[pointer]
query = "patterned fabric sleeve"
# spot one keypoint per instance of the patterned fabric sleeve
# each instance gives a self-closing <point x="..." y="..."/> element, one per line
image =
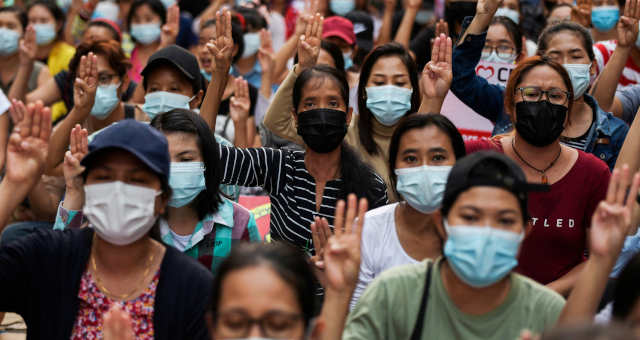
<point x="69" y="218"/>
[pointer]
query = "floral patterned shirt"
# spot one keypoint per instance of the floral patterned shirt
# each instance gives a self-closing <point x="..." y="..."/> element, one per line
<point x="94" y="304"/>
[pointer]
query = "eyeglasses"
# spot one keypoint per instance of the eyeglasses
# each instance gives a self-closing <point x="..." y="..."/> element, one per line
<point x="503" y="51"/>
<point x="274" y="324"/>
<point x="534" y="94"/>
<point x="105" y="78"/>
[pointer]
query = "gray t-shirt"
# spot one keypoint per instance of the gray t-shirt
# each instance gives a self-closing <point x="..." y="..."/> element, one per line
<point x="630" y="99"/>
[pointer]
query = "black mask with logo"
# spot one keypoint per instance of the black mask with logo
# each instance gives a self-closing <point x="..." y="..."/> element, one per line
<point x="322" y="129"/>
<point x="540" y="123"/>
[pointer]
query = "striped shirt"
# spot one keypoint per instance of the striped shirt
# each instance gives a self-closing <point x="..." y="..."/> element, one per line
<point x="291" y="188"/>
<point x="603" y="52"/>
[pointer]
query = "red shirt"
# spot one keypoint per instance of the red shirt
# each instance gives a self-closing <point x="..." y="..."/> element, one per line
<point x="560" y="218"/>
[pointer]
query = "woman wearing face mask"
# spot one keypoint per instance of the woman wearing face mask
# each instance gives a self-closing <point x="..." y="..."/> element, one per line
<point x="197" y="217"/>
<point x="504" y="42"/>
<point x="146" y="23"/>
<point x="247" y="65"/>
<point x="115" y="261"/>
<point x="590" y="129"/>
<point x="471" y="292"/>
<point x="385" y="94"/>
<point x="423" y="148"/>
<point x="538" y="99"/>
<point x="604" y="17"/>
<point x="301" y="184"/>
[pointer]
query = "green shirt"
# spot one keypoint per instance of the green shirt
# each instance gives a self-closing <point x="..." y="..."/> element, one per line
<point x="388" y="309"/>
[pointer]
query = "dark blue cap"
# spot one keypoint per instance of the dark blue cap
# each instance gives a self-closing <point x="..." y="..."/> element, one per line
<point x="143" y="141"/>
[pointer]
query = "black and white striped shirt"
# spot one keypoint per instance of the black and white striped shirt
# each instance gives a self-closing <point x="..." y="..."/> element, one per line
<point x="292" y="189"/>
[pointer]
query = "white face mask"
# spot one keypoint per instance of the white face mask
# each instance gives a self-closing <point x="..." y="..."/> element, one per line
<point x="120" y="213"/>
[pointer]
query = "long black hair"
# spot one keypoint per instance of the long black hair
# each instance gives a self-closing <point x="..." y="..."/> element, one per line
<point x="419" y="121"/>
<point x="358" y="177"/>
<point x="287" y="262"/>
<point x="365" y="124"/>
<point x="186" y="121"/>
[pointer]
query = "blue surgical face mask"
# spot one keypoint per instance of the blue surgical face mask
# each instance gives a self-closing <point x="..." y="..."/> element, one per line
<point x="251" y="44"/>
<point x="8" y="41"/>
<point x="206" y="75"/>
<point x="168" y="3"/>
<point x="423" y="186"/>
<point x="45" y="33"/>
<point x="186" y="181"/>
<point x="493" y="57"/>
<point x="580" y="78"/>
<point x="509" y="13"/>
<point x="146" y="33"/>
<point x="423" y="16"/>
<point x="159" y="102"/>
<point x="106" y="100"/>
<point x="388" y="103"/>
<point x="348" y="62"/>
<point x="342" y="7"/>
<point x="481" y="256"/>
<point x="604" y="18"/>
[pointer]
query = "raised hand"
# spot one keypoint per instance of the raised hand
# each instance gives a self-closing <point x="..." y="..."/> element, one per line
<point x="581" y="13"/>
<point x="320" y="233"/>
<point x="28" y="145"/>
<point x="414" y="4"/>
<point x="78" y="148"/>
<point x="117" y="324"/>
<point x="437" y="74"/>
<point x="171" y="28"/>
<point x="86" y="83"/>
<point x="627" y="27"/>
<point x="265" y="53"/>
<point x="442" y="27"/>
<point x="17" y="111"/>
<point x="240" y="102"/>
<point x="309" y="43"/>
<point x="611" y="221"/>
<point x="487" y="7"/>
<point x="222" y="47"/>
<point x="342" y="254"/>
<point x="28" y="46"/>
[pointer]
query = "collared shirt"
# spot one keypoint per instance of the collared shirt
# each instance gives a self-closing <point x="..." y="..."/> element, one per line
<point x="253" y="77"/>
<point x="232" y="223"/>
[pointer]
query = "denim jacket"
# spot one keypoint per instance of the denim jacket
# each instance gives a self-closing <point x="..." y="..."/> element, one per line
<point x="605" y="136"/>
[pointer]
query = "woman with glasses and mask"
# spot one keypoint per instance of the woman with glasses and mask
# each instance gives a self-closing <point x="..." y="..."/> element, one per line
<point x="387" y="91"/>
<point x="301" y="184"/>
<point x="589" y="128"/>
<point x="504" y="42"/>
<point x="538" y="100"/>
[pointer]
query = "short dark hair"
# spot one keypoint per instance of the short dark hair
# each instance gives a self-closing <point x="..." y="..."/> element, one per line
<point x="110" y="49"/>
<point x="252" y="18"/>
<point x="186" y="121"/>
<point x="55" y="11"/>
<point x="365" y="117"/>
<point x="20" y="14"/>
<point x="512" y="28"/>
<point x="116" y="35"/>
<point x="578" y="30"/>
<point x="333" y="50"/>
<point x="419" y="121"/>
<point x="289" y="263"/>
<point x="156" y="6"/>
<point x="320" y="71"/>
<point x="236" y="35"/>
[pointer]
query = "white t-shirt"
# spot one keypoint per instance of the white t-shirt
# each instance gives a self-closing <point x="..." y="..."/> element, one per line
<point x="381" y="248"/>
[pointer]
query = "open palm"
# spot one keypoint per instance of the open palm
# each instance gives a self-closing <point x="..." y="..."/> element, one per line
<point x="627" y="27"/>
<point x="437" y="74"/>
<point x="222" y="47"/>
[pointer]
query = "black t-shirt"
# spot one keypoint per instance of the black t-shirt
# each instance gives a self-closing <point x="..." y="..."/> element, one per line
<point x="65" y="85"/>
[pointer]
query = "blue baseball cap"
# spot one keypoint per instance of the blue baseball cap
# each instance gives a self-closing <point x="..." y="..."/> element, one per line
<point x="143" y="141"/>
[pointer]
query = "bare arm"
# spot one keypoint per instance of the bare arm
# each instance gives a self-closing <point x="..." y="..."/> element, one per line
<point x="387" y="22"/>
<point x="28" y="50"/>
<point x="221" y="49"/>
<point x="605" y="87"/>
<point x="267" y="63"/>
<point x="565" y="284"/>
<point x="485" y="10"/>
<point x="4" y="137"/>
<point x="403" y="36"/>
<point x="288" y="50"/>
<point x="239" y="106"/>
<point x="436" y="76"/>
<point x="629" y="152"/>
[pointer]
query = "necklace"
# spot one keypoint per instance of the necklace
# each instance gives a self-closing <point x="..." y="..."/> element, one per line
<point x="107" y="291"/>
<point x="544" y="179"/>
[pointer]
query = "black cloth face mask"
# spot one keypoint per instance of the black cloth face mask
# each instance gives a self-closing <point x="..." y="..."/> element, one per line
<point x="322" y="129"/>
<point x="540" y="123"/>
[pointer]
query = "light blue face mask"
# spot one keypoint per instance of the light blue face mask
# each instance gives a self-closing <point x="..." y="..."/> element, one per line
<point x="342" y="7"/>
<point x="604" y="18"/>
<point x="159" y="102"/>
<point x="187" y="181"/>
<point x="8" y="41"/>
<point x="580" y="78"/>
<point x="423" y="16"/>
<point x="106" y="100"/>
<point x="251" y="44"/>
<point x="493" y="57"/>
<point x="45" y="33"/>
<point x="481" y="256"/>
<point x="388" y="103"/>
<point x="348" y="62"/>
<point x="423" y="186"/>
<point x="146" y="33"/>
<point x="168" y="3"/>
<point x="509" y="13"/>
<point x="206" y="75"/>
